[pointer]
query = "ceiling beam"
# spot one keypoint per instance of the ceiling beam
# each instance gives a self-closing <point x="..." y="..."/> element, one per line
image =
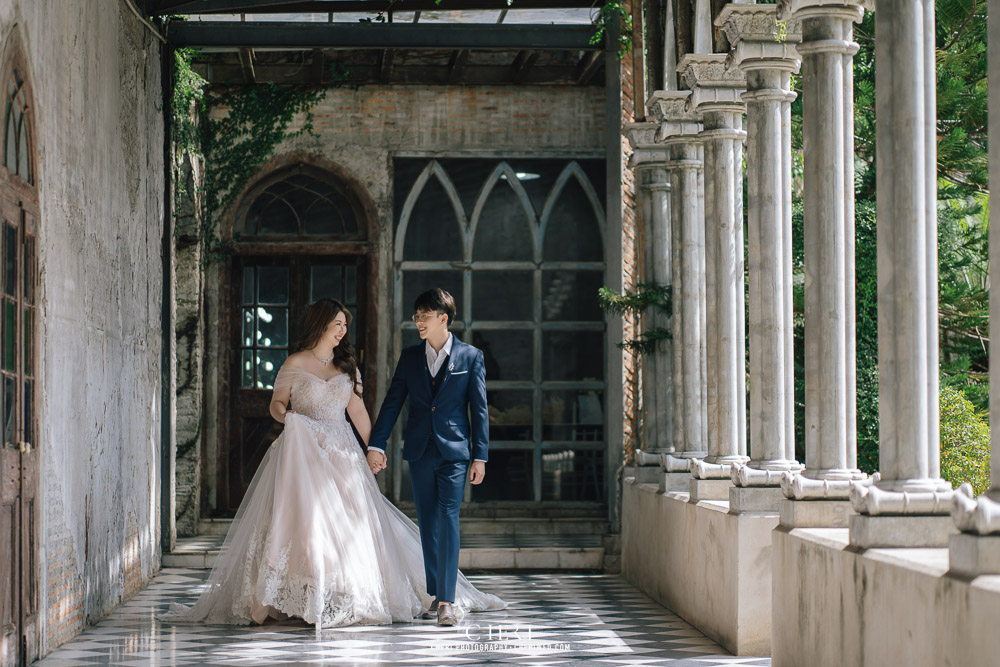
<point x="316" y="66"/>
<point x="522" y="63"/>
<point x="433" y="36"/>
<point x="456" y="65"/>
<point x="385" y="62"/>
<point x="161" y="7"/>
<point x="246" y="61"/>
<point x="588" y="65"/>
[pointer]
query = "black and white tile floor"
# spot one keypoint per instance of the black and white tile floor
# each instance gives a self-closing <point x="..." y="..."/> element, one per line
<point x="552" y="619"/>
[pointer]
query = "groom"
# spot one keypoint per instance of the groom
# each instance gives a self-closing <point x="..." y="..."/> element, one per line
<point x="448" y="424"/>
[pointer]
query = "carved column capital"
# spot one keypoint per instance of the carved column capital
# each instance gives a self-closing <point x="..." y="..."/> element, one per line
<point x="714" y="87"/>
<point x="759" y="39"/>
<point x="647" y="152"/>
<point x="790" y="9"/>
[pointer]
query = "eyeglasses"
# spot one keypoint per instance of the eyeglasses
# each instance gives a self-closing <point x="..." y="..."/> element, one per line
<point x="420" y="319"/>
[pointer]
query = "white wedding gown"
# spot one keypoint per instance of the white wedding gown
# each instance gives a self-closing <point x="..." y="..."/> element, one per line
<point x="314" y="537"/>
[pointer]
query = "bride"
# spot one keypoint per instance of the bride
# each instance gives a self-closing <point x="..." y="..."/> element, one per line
<point x="314" y="537"/>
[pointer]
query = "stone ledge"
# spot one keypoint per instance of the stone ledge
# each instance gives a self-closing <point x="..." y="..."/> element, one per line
<point x="815" y="513"/>
<point x="710" y="489"/>
<point x="900" y="531"/>
<point x="973" y="555"/>
<point x="711" y="567"/>
<point x="834" y="605"/>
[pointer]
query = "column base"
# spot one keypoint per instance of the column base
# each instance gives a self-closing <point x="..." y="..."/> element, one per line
<point x="870" y="532"/>
<point x="644" y="474"/>
<point x="746" y="499"/>
<point x="814" y="513"/>
<point x="675" y="481"/>
<point x="709" y="489"/>
<point x="973" y="555"/>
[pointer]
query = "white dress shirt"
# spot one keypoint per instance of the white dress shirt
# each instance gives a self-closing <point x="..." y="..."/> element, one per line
<point x="436" y="359"/>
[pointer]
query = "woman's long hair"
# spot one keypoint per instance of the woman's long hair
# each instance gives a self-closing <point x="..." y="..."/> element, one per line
<point x="318" y="316"/>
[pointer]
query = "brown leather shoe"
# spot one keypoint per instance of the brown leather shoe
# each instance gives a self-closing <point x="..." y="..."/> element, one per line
<point x="446" y="614"/>
<point x="431" y="611"/>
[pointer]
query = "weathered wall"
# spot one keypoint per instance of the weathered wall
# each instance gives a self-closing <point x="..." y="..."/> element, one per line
<point x="189" y="331"/>
<point x="362" y="130"/>
<point x="840" y="607"/>
<point x="711" y="567"/>
<point x="99" y="135"/>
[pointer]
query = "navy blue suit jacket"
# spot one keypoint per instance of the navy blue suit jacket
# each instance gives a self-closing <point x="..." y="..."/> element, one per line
<point x="456" y="418"/>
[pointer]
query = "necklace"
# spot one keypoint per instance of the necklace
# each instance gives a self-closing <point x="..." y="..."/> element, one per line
<point x="320" y="359"/>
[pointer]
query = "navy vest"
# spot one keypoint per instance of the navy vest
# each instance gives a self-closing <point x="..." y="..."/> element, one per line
<point x="437" y="379"/>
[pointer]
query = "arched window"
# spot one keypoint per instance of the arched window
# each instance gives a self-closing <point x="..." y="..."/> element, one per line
<point x="519" y="243"/>
<point x="303" y="204"/>
<point x="16" y="144"/>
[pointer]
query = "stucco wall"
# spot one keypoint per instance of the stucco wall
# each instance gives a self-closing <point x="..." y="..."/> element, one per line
<point x="99" y="135"/>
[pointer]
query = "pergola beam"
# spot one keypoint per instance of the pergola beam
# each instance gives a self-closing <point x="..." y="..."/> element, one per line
<point x="456" y="65"/>
<point x="433" y="36"/>
<point x="589" y="63"/>
<point x="162" y="7"/>
<point x="522" y="63"/>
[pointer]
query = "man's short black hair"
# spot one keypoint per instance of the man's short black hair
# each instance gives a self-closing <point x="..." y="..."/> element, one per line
<point x="436" y="300"/>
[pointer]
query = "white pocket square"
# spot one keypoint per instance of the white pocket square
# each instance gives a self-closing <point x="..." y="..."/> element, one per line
<point x="460" y="372"/>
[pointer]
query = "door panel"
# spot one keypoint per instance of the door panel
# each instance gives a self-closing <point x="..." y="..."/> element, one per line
<point x="269" y="298"/>
<point x="18" y="455"/>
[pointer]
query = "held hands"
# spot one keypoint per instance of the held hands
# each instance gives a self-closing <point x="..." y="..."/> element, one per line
<point x="376" y="461"/>
<point x="477" y="473"/>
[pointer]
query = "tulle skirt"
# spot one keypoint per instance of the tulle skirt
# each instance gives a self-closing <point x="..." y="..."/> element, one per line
<point x="315" y="538"/>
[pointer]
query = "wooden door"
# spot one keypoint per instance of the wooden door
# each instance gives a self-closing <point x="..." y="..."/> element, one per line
<point x="268" y="302"/>
<point x="19" y="627"/>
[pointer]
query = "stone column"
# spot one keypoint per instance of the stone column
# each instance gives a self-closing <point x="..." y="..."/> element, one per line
<point x="827" y="49"/>
<point x="716" y="94"/>
<point x="977" y="550"/>
<point x="766" y="55"/>
<point x="678" y="133"/>
<point x="907" y="290"/>
<point x="649" y="160"/>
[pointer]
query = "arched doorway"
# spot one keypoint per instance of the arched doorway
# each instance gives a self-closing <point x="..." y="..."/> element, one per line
<point x="19" y="459"/>
<point x="300" y="234"/>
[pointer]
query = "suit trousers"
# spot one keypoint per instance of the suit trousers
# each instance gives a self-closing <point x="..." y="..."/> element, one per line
<point x="438" y="487"/>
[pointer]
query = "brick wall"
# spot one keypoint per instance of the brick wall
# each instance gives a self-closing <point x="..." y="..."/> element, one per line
<point x="631" y="76"/>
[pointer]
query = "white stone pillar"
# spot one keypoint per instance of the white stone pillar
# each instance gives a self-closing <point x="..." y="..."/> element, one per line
<point x="907" y="289"/>
<point x="827" y="50"/>
<point x="716" y="94"/>
<point x="766" y="55"/>
<point x="650" y="159"/>
<point x="678" y="132"/>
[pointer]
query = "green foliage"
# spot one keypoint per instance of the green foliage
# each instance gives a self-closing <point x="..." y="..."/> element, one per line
<point x="254" y="120"/>
<point x="236" y="131"/>
<point x="963" y="298"/>
<point x="965" y="442"/>
<point x="186" y="103"/>
<point x="646" y="297"/>
<point x="866" y="336"/>
<point x="609" y="16"/>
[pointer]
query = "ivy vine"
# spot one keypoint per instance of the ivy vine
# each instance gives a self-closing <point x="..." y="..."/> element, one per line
<point x="606" y="18"/>
<point x="646" y="296"/>
<point x="236" y="131"/>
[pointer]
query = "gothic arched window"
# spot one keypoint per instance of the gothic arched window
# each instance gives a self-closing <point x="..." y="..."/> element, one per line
<point x="16" y="146"/>
<point x="519" y="243"/>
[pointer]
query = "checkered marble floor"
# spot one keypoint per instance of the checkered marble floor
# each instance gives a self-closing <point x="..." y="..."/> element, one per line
<point x="552" y="619"/>
<point x="214" y="542"/>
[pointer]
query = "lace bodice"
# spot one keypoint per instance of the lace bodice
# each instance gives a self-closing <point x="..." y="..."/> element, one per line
<point x="322" y="401"/>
